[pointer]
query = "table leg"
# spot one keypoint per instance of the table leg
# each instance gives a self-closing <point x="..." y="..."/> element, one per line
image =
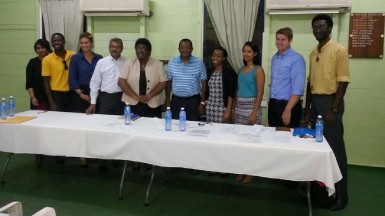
<point x="122" y="180"/>
<point x="5" y="168"/>
<point x="309" y="198"/>
<point x="149" y="186"/>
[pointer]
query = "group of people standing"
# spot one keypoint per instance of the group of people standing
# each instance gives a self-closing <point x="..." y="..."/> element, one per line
<point x="86" y="82"/>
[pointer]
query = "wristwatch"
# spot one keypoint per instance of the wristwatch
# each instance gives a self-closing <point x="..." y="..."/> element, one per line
<point x="335" y="110"/>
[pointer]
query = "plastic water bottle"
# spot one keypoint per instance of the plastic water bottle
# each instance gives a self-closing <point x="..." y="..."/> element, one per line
<point x="12" y="106"/>
<point x="127" y="114"/>
<point x="319" y="129"/>
<point x="168" y="118"/>
<point x="182" y="119"/>
<point x="3" y="108"/>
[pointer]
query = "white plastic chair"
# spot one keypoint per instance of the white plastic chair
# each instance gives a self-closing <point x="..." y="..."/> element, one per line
<point x="46" y="211"/>
<point x="12" y="209"/>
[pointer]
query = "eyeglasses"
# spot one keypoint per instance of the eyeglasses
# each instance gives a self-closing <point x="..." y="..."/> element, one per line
<point x="65" y="65"/>
<point x="319" y="27"/>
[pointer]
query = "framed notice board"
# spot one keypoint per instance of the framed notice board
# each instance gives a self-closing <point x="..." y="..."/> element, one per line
<point x="366" y="35"/>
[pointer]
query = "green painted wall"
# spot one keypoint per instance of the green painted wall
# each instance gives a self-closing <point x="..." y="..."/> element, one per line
<point x="176" y="19"/>
<point x="172" y="20"/>
<point x="105" y="28"/>
<point x="17" y="36"/>
<point x="365" y="98"/>
<point x="365" y="119"/>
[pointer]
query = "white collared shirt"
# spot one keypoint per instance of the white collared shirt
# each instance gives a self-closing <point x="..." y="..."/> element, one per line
<point x="106" y="76"/>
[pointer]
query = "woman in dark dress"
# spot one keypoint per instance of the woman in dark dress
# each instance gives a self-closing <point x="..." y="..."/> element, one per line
<point x="34" y="80"/>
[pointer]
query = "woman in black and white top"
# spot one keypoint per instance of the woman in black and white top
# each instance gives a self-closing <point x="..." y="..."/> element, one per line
<point x="221" y="88"/>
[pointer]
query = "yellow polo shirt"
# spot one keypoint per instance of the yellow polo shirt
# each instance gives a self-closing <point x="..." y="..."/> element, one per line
<point x="328" y="67"/>
<point x="53" y="67"/>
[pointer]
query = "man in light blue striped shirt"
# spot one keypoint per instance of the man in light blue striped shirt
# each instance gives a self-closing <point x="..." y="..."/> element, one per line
<point x="187" y="75"/>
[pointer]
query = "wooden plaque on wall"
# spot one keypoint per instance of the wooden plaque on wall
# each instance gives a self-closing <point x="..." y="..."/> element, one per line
<point x="366" y="35"/>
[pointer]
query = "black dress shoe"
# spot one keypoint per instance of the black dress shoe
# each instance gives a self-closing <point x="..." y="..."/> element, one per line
<point x="339" y="203"/>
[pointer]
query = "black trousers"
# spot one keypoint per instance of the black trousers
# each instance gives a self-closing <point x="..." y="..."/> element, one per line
<point x="77" y="104"/>
<point x="62" y="100"/>
<point x="110" y="104"/>
<point x="334" y="134"/>
<point x="144" y="110"/>
<point x="190" y="104"/>
<point x="275" y="110"/>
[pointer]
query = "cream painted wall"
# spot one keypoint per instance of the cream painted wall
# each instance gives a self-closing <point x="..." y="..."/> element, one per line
<point x="365" y="98"/>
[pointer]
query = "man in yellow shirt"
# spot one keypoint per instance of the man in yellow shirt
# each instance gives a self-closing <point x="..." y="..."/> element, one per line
<point x="55" y="74"/>
<point x="327" y="82"/>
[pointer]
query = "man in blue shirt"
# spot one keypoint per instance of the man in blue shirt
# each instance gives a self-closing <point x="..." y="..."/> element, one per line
<point x="288" y="71"/>
<point x="187" y="75"/>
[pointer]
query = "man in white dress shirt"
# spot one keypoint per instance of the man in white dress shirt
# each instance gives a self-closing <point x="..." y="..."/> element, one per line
<point x="105" y="92"/>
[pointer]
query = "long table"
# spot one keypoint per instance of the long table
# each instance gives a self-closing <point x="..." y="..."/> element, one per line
<point x="253" y="150"/>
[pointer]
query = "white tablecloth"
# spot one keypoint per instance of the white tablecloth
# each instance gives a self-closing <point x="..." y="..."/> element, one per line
<point x="253" y="150"/>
